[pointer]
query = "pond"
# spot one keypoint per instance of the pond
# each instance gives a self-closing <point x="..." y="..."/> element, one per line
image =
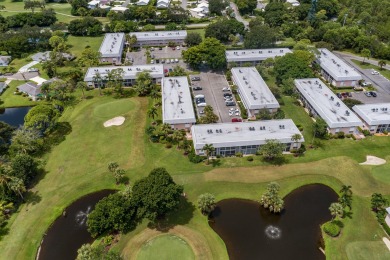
<point x="252" y="232"/>
<point x="14" y="115"/>
<point x="68" y="233"/>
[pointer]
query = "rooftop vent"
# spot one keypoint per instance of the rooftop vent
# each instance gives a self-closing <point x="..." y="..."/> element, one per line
<point x="337" y="104"/>
<point x="332" y="98"/>
<point x="281" y="126"/>
<point x="240" y="71"/>
<point x="346" y="112"/>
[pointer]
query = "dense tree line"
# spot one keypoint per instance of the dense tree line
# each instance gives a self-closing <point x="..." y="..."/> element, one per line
<point x="334" y="24"/>
<point x="41" y="19"/>
<point x="87" y="26"/>
<point x="224" y="28"/>
<point x="25" y="40"/>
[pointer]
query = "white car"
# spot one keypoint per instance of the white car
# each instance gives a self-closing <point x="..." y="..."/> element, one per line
<point x="237" y="110"/>
<point x="374" y="72"/>
<point x="237" y="113"/>
<point x="168" y="61"/>
<point x="202" y="104"/>
<point x="231" y="113"/>
<point x="178" y="48"/>
<point x="226" y="89"/>
<point x="177" y="60"/>
<point x="152" y="62"/>
<point x="32" y="70"/>
<point x="172" y="61"/>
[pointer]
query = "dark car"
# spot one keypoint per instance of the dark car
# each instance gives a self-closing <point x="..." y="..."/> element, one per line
<point x="160" y="48"/>
<point x="230" y="103"/>
<point x="200" y="100"/>
<point x="339" y="95"/>
<point x="195" y="78"/>
<point x="197" y="88"/>
<point x="373" y="93"/>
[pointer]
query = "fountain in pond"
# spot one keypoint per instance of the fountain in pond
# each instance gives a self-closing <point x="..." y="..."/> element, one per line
<point x="82" y="216"/>
<point x="273" y="232"/>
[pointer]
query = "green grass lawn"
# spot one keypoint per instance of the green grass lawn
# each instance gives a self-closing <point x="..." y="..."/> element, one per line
<point x="384" y="72"/>
<point x="166" y="247"/>
<point x="78" y="44"/>
<point x="77" y="166"/>
<point x="200" y="31"/>
<point x="10" y="100"/>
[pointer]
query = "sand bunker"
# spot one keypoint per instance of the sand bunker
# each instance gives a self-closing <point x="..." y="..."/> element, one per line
<point x="372" y="160"/>
<point x="119" y="120"/>
<point x="387" y="242"/>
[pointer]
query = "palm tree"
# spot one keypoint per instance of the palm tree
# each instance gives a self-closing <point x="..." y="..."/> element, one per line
<point x="295" y="138"/>
<point x="5" y="207"/>
<point x="17" y="186"/>
<point x="209" y="149"/>
<point x="346" y="196"/>
<point x="336" y="210"/>
<point x="378" y="202"/>
<point x="381" y="64"/>
<point x="119" y="174"/>
<point x="83" y="86"/>
<point x="177" y="136"/>
<point x="154" y="93"/>
<point x="152" y="112"/>
<point x="97" y="78"/>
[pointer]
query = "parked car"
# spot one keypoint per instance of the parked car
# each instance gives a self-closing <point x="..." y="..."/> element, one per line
<point x="230" y="103"/>
<point x="157" y="61"/>
<point x="227" y="94"/>
<point x="160" y="48"/>
<point x="200" y="100"/>
<point x="195" y="78"/>
<point x="196" y="88"/>
<point x="374" y="72"/>
<point x="177" y="60"/>
<point x="367" y="93"/>
<point x="168" y="61"/>
<point x="152" y="48"/>
<point x="366" y="84"/>
<point x="173" y="48"/>
<point x="33" y="70"/>
<point x="178" y="48"/>
<point x="339" y="95"/>
<point x="165" y="72"/>
<point x="152" y="62"/>
<point x="373" y="93"/>
<point x="349" y="94"/>
<point x="170" y="69"/>
<point x="172" y="61"/>
<point x="199" y="96"/>
<point x="236" y="120"/>
<point x="162" y="61"/>
<point x="225" y="89"/>
<point x="202" y="104"/>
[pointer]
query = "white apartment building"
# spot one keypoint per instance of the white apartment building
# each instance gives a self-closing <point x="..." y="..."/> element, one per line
<point x="322" y="102"/>
<point x="112" y="47"/>
<point x="254" y="56"/>
<point x="159" y="38"/>
<point x="336" y="71"/>
<point x="253" y="90"/>
<point x="376" y="117"/>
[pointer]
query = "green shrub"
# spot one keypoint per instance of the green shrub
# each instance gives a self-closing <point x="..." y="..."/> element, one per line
<point x="293" y="150"/>
<point x="168" y="145"/>
<point x="238" y="154"/>
<point x="249" y="158"/>
<point x="366" y="132"/>
<point x="331" y="228"/>
<point x="341" y="135"/>
<point x="194" y="158"/>
<point x="385" y="132"/>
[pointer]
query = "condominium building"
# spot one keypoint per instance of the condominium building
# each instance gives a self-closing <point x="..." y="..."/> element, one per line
<point x="163" y="3"/>
<point x="98" y="76"/>
<point x="320" y="101"/>
<point x="336" y="71"/>
<point x="177" y="107"/>
<point x="112" y="47"/>
<point x="254" y="56"/>
<point x="229" y="139"/>
<point x="253" y="90"/>
<point x="159" y="38"/>
<point x="376" y="117"/>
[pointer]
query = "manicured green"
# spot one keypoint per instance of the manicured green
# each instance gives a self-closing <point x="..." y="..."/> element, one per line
<point x="78" y="44"/>
<point x="363" y="250"/>
<point x="166" y="247"/>
<point x="382" y="172"/>
<point x="78" y="166"/>
<point x="200" y="31"/>
<point x="9" y="99"/>
<point x="384" y="72"/>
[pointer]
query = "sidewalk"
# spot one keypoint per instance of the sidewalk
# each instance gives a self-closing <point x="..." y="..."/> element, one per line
<point x="27" y="66"/>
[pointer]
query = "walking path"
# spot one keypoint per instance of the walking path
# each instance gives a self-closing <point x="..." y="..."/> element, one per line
<point x="355" y="57"/>
<point x="238" y="16"/>
<point x="27" y="66"/>
<point x="387" y="242"/>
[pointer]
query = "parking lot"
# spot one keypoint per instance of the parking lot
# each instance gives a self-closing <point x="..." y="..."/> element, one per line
<point x="167" y="56"/>
<point x="380" y="98"/>
<point x="212" y="84"/>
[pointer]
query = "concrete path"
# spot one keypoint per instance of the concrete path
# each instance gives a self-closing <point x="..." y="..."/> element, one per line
<point x="387" y="242"/>
<point x="355" y="57"/>
<point x="238" y="16"/>
<point x="38" y="80"/>
<point x="27" y="66"/>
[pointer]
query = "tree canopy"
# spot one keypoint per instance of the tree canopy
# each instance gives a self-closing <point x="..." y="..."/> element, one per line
<point x="157" y="194"/>
<point x="260" y="36"/>
<point x="210" y="51"/>
<point x="292" y="65"/>
<point x="223" y="28"/>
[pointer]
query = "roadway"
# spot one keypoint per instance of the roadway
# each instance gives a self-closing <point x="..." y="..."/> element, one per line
<point x="238" y="16"/>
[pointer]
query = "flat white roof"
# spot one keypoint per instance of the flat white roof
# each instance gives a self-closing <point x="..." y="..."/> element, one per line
<point x="244" y="133"/>
<point x="253" y="89"/>
<point x="112" y="45"/>
<point x="130" y="72"/>
<point x="254" y="54"/>
<point x="177" y="102"/>
<point x="160" y="35"/>
<point x="374" y="114"/>
<point x="328" y="106"/>
<point x="337" y="68"/>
